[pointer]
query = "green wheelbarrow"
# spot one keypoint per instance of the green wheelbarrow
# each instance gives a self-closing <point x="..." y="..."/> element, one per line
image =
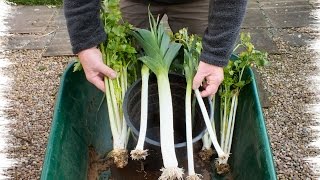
<point x="77" y="125"/>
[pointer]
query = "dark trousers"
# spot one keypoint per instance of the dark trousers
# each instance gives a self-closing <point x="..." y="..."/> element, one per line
<point x="192" y="15"/>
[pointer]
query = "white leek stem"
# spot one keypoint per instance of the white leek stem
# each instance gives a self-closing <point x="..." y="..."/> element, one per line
<point x="144" y="107"/>
<point x="208" y="124"/>
<point x="170" y="162"/>
<point x="139" y="153"/>
<point x="206" y="141"/>
<point x="206" y="138"/>
<point x="189" y="128"/>
<point x="166" y="122"/>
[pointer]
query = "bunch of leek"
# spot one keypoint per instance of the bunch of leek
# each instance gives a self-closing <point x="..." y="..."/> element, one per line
<point x="119" y="54"/>
<point x="159" y="54"/>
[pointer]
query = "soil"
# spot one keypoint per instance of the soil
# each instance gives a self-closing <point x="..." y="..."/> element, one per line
<point x="146" y="169"/>
<point x="206" y="154"/>
<point x="222" y="168"/>
<point x="120" y="157"/>
<point x="96" y="165"/>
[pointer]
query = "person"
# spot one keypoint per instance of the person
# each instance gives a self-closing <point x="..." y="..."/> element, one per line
<point x="218" y="21"/>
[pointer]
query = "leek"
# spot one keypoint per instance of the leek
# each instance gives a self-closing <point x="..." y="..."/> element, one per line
<point x="191" y="56"/>
<point x="206" y="151"/>
<point x="159" y="54"/>
<point x="139" y="153"/>
<point x="221" y="155"/>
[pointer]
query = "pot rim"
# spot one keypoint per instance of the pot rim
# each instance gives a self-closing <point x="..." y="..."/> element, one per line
<point x="151" y="141"/>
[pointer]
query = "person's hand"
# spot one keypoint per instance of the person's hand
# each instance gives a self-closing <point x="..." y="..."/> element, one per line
<point x="94" y="68"/>
<point x="213" y="76"/>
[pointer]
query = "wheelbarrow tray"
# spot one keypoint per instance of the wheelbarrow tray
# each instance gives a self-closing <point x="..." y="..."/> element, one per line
<point x="79" y="123"/>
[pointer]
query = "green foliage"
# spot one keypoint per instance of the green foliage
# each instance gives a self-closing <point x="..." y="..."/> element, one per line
<point x="249" y="57"/>
<point x="118" y="51"/>
<point x="191" y="51"/>
<point x="233" y="73"/>
<point x="159" y="50"/>
<point x="77" y="66"/>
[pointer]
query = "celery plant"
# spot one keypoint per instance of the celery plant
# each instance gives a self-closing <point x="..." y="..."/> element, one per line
<point x="159" y="54"/>
<point x="230" y="89"/>
<point x="118" y="53"/>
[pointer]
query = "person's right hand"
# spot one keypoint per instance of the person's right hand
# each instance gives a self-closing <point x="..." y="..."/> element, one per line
<point x="94" y="68"/>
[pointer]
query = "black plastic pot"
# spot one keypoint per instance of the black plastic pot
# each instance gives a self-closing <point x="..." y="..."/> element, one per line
<point x="132" y="107"/>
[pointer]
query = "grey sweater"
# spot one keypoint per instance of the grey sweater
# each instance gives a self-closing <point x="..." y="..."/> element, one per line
<point x="225" y="18"/>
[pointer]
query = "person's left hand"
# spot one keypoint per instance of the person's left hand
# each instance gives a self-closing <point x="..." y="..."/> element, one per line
<point x="213" y="76"/>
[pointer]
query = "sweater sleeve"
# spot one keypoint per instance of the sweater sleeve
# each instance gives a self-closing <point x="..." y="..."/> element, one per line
<point x="84" y="25"/>
<point x="224" y="23"/>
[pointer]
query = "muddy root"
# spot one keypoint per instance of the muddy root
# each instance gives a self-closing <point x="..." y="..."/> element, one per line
<point x="222" y="169"/>
<point x="206" y="154"/>
<point x="119" y="157"/>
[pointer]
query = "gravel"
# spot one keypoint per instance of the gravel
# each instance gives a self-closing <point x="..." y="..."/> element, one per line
<point x="288" y="120"/>
<point x="32" y="95"/>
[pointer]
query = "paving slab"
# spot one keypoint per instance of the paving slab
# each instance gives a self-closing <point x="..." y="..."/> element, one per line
<point x="284" y="4"/>
<point x="253" y="19"/>
<point x="60" y="45"/>
<point x="30" y="19"/>
<point x="289" y="16"/>
<point x="276" y="1"/>
<point x="252" y="4"/>
<point x="27" y="41"/>
<point x="262" y="40"/>
<point x="60" y="20"/>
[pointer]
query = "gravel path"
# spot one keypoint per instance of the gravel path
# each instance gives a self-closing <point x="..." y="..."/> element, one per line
<point x="35" y="84"/>
<point x="288" y="120"/>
